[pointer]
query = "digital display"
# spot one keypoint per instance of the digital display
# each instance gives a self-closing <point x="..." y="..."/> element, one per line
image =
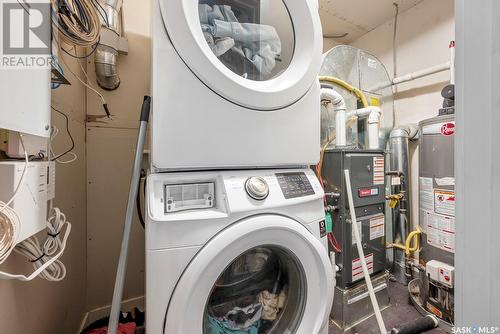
<point x="294" y="184"/>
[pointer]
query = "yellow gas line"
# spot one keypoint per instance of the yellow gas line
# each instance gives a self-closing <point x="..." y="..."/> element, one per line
<point x="413" y="236"/>
<point x="346" y="86"/>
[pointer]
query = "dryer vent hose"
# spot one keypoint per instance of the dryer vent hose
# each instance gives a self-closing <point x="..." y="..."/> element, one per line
<point x="417" y="326"/>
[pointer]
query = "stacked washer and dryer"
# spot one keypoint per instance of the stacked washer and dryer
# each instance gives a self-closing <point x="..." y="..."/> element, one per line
<point x="235" y="232"/>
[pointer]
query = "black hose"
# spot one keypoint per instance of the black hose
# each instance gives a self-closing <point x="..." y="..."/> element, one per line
<point x="417" y="326"/>
<point x="138" y="199"/>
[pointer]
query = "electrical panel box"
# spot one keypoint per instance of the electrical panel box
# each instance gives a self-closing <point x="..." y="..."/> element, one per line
<point x="25" y="101"/>
<point x="367" y="169"/>
<point x="25" y="71"/>
<point x="37" y="189"/>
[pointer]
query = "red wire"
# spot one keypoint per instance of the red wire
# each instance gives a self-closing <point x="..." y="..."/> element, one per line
<point x="334" y="243"/>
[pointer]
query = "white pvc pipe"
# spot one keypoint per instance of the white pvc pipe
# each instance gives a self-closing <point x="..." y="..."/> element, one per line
<point x="414" y="75"/>
<point x="340" y="128"/>
<point x="376" y="308"/>
<point x="337" y="103"/>
<point x="374" y="115"/>
<point x="374" y="129"/>
<point x="422" y="73"/>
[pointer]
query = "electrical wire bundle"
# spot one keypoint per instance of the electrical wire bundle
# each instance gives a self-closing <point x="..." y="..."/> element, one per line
<point x="9" y="230"/>
<point x="77" y="21"/>
<point x="44" y="258"/>
<point x="9" y="220"/>
<point x="79" y="25"/>
<point x="49" y="268"/>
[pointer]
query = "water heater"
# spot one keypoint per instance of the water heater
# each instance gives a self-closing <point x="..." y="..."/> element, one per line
<point x="437" y="212"/>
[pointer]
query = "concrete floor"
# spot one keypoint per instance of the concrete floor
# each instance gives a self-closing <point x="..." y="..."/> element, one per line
<point x="399" y="312"/>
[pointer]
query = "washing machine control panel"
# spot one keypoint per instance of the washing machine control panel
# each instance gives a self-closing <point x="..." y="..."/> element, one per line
<point x="257" y="188"/>
<point x="294" y="184"/>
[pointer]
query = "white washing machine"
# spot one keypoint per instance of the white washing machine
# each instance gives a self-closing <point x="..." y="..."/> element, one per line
<point x="233" y="252"/>
<point x="235" y="84"/>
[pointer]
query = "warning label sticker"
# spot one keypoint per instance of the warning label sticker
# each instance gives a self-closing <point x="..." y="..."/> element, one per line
<point x="426" y="184"/>
<point x="444" y="202"/>
<point x="427" y="200"/>
<point x="377" y="227"/>
<point x="440" y="231"/>
<point x="378" y="170"/>
<point x="357" y="269"/>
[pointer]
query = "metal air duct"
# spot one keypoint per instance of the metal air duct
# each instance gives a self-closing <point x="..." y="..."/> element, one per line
<point x="111" y="43"/>
<point x="399" y="162"/>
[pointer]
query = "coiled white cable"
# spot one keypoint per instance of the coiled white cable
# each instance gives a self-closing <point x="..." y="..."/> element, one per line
<point x="49" y="268"/>
<point x="55" y="223"/>
<point x="30" y="248"/>
<point x="9" y="231"/>
<point x="9" y="220"/>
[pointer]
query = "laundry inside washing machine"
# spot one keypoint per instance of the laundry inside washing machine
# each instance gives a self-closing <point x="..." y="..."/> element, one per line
<point x="261" y="291"/>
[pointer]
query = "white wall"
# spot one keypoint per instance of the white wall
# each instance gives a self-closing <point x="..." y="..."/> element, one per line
<point x="424" y="33"/>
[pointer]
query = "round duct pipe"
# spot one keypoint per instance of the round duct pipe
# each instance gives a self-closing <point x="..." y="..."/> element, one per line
<point x="110" y="44"/>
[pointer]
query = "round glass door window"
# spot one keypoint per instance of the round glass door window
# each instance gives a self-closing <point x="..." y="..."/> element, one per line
<point x="263" y="291"/>
<point x="253" y="38"/>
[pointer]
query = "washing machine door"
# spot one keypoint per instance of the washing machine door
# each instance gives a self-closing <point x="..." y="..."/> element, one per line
<point x="265" y="274"/>
<point x="260" y="54"/>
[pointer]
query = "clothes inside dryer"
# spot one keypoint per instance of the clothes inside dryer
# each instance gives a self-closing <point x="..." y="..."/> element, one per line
<point x="262" y="291"/>
<point x="254" y="39"/>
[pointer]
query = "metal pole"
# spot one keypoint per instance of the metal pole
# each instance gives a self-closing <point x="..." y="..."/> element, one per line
<point x="134" y="185"/>
<point x="361" y="253"/>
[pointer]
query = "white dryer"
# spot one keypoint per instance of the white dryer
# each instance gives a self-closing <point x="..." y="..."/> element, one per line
<point x="235" y="83"/>
<point x="229" y="252"/>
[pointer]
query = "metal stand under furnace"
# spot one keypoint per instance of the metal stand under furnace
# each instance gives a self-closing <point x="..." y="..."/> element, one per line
<point x="352" y="303"/>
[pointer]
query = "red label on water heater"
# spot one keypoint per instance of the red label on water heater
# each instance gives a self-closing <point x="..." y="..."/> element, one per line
<point x="448" y="129"/>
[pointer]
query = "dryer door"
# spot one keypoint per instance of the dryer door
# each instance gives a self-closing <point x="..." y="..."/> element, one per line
<point x="266" y="274"/>
<point x="261" y="54"/>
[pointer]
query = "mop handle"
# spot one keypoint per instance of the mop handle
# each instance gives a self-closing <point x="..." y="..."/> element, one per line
<point x="134" y="186"/>
<point x="361" y="254"/>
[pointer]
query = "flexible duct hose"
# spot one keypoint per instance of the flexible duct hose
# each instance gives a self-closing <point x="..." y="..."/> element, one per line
<point x="106" y="54"/>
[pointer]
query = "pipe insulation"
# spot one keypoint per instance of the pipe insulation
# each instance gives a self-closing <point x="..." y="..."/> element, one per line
<point x="336" y="104"/>
<point x="111" y="44"/>
<point x="417" y="326"/>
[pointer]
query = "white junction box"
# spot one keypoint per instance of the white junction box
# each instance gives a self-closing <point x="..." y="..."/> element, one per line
<point x="440" y="272"/>
<point x="34" y="145"/>
<point x="37" y="189"/>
